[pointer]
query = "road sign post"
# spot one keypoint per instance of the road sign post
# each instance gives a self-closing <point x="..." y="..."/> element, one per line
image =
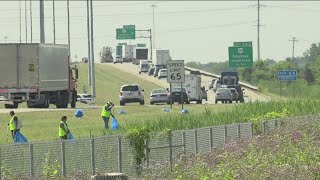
<point x="175" y="74"/>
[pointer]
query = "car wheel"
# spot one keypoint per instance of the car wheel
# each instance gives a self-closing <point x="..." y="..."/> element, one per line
<point x="216" y="102"/>
<point x="142" y="102"/>
<point x="230" y="101"/>
<point x="122" y="103"/>
<point x="187" y="102"/>
<point x="151" y="103"/>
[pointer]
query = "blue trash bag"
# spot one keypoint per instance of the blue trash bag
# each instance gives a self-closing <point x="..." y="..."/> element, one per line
<point x="19" y="138"/>
<point x="165" y="110"/>
<point x="78" y="113"/>
<point x="114" y="124"/>
<point x="184" y="111"/>
<point x="122" y="112"/>
<point x="70" y="136"/>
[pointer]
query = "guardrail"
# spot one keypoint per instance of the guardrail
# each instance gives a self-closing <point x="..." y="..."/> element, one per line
<point x="249" y="86"/>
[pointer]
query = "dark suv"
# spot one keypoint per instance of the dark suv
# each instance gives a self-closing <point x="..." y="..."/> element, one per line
<point x="176" y="95"/>
<point x="240" y="92"/>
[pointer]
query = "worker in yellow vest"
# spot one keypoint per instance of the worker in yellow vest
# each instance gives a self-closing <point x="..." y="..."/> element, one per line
<point x="106" y="113"/>
<point x="13" y="124"/>
<point x="63" y="128"/>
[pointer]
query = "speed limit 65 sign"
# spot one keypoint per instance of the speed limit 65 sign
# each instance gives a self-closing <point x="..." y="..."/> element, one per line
<point x="175" y="71"/>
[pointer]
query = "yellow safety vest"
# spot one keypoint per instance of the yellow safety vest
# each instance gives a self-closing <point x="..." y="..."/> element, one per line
<point x="104" y="112"/>
<point x="11" y="123"/>
<point x="63" y="132"/>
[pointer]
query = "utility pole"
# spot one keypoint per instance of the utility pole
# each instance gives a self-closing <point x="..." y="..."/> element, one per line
<point x="68" y="28"/>
<point x="293" y="41"/>
<point x="93" y="81"/>
<point x="42" y="33"/>
<point x="294" y="85"/>
<point x="20" y="18"/>
<point x="54" y="22"/>
<point x="89" y="44"/>
<point x="154" y="30"/>
<point x="26" y="19"/>
<point x="31" y="21"/>
<point x="258" y="29"/>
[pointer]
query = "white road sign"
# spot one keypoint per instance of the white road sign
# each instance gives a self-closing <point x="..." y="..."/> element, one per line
<point x="175" y="71"/>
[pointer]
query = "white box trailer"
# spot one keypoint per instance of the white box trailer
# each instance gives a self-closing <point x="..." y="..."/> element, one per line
<point x="160" y="57"/>
<point x="39" y="74"/>
<point x="192" y="85"/>
<point x="130" y="53"/>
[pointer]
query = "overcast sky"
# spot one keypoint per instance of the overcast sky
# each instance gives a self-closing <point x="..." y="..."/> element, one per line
<point x="191" y="30"/>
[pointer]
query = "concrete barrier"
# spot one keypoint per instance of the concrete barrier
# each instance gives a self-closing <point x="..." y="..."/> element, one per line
<point x="249" y="86"/>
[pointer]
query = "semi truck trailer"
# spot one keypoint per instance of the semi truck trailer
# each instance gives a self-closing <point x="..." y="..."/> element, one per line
<point x="38" y="74"/>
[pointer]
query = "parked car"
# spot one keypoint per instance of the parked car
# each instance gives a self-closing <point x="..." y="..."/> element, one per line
<point x="162" y="73"/>
<point x="235" y="95"/>
<point x="85" y="98"/>
<point x="151" y="71"/>
<point x="224" y="95"/>
<point x="204" y="94"/>
<point x="131" y="93"/>
<point x="159" y="96"/>
<point x="240" y="92"/>
<point x="176" y="95"/>
<point x="117" y="60"/>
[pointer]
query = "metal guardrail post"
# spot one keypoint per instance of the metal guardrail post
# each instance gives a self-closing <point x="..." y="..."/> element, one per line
<point x="264" y="127"/>
<point x="0" y="165"/>
<point x="63" y="157"/>
<point x="196" y="141"/>
<point x="146" y="144"/>
<point x="225" y="133"/>
<point x="276" y="123"/>
<point x="184" y="141"/>
<point x="119" y="154"/>
<point x="170" y="149"/>
<point x="211" y="139"/>
<point x="31" y="160"/>
<point x="93" y="163"/>
<point x="239" y="131"/>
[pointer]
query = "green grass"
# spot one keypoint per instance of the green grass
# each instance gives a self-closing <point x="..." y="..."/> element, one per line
<point x="44" y="125"/>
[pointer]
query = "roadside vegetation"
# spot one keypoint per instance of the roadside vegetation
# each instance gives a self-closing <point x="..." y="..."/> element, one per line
<point x="290" y="152"/>
<point x="154" y="119"/>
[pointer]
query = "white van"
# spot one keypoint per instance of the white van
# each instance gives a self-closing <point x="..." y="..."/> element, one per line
<point x="143" y="66"/>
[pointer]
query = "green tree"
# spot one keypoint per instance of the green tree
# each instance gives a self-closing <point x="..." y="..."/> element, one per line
<point x="106" y="55"/>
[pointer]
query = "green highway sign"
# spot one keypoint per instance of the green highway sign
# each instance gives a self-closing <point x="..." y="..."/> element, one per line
<point x="129" y="26"/>
<point x="240" y="56"/>
<point x="248" y="43"/>
<point x="141" y="45"/>
<point x="125" y="33"/>
<point x="121" y="44"/>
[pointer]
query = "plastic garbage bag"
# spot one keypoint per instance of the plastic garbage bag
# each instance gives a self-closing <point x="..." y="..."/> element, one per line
<point x="184" y="111"/>
<point x="122" y="112"/>
<point x="19" y="138"/>
<point x="114" y="124"/>
<point x="70" y="136"/>
<point x="165" y="110"/>
<point x="78" y="113"/>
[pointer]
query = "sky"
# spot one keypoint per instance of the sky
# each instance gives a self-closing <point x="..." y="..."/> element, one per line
<point x="198" y="31"/>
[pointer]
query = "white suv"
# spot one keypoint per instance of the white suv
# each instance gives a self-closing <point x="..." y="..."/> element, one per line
<point x="131" y="93"/>
<point x="162" y="73"/>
